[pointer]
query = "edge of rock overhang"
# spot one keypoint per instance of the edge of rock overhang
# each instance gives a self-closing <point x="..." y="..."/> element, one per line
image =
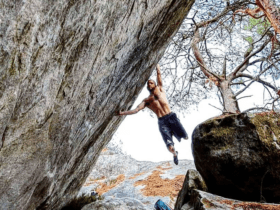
<point x="172" y="20"/>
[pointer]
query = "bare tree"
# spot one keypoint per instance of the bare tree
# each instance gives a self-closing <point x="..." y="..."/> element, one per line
<point x="213" y="49"/>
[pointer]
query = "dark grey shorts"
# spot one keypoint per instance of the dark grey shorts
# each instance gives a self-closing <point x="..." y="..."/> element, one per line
<point x="170" y="125"/>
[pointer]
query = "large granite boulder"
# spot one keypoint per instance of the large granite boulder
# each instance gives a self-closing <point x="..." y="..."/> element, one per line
<point x="65" y="68"/>
<point x="238" y="156"/>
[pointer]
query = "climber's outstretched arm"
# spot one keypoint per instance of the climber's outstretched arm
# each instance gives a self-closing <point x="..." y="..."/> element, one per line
<point x="159" y="81"/>
<point x="134" y="111"/>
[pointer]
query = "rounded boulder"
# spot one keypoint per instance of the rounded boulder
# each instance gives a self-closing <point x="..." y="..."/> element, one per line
<point x="238" y="156"/>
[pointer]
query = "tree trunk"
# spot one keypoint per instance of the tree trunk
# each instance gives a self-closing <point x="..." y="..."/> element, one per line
<point x="229" y="100"/>
<point x="272" y="13"/>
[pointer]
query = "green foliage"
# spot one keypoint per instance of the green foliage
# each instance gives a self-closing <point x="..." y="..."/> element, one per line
<point x="249" y="39"/>
<point x="260" y="25"/>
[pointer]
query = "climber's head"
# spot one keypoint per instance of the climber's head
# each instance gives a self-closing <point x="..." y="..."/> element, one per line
<point x="151" y="84"/>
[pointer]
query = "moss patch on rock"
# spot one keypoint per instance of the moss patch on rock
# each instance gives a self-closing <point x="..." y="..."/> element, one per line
<point x="267" y="126"/>
<point x="223" y="131"/>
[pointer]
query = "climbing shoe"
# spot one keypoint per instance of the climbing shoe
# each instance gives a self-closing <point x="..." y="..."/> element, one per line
<point x="175" y="158"/>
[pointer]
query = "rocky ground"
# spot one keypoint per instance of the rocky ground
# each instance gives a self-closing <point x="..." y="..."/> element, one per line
<point x="207" y="201"/>
<point x="118" y="176"/>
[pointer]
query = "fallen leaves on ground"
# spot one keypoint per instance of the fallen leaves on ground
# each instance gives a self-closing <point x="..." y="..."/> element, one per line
<point x="113" y="183"/>
<point x="136" y="175"/>
<point x="156" y="186"/>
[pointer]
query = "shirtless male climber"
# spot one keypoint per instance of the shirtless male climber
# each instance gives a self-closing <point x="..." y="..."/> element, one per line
<point x="168" y="122"/>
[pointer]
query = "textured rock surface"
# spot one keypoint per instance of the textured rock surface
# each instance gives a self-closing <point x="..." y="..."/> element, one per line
<point x="65" y="68"/>
<point x="193" y="180"/>
<point x="116" y="204"/>
<point x="202" y="201"/>
<point x="237" y="156"/>
<point x="104" y="179"/>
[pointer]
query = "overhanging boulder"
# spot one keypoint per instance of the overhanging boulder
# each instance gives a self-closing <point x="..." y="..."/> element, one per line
<point x="65" y="68"/>
<point x="238" y="156"/>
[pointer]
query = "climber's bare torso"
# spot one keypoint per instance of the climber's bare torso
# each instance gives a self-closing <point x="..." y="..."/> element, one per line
<point x="157" y="102"/>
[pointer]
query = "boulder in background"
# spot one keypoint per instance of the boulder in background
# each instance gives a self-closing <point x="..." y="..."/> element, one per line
<point x="237" y="156"/>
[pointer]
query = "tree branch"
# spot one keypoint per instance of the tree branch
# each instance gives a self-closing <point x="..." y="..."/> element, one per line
<point x="221" y="101"/>
<point x="233" y="74"/>
<point x="262" y="36"/>
<point x="215" y="107"/>
<point x="241" y="91"/>
<point x="199" y="57"/>
<point x="238" y="83"/>
<point x="256" y="61"/>
<point x="257" y="79"/>
<point x="276" y="99"/>
<point x="228" y="8"/>
<point x="267" y="91"/>
<point x="244" y="97"/>
<point x="225" y="67"/>
<point x="272" y="63"/>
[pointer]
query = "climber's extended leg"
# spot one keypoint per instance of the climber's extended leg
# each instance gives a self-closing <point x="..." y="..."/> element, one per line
<point x="175" y="154"/>
<point x="172" y="150"/>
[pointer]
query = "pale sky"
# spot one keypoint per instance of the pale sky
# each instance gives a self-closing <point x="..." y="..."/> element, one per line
<point x="141" y="137"/>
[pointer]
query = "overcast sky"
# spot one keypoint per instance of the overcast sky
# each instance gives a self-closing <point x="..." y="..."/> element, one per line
<point x="140" y="134"/>
<point x="141" y="137"/>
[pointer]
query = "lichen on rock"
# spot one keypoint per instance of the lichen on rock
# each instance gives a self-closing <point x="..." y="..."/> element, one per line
<point x="238" y="156"/>
<point x="268" y="126"/>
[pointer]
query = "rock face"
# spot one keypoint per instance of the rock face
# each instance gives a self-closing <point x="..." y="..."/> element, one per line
<point x="65" y="68"/>
<point x="238" y="156"/>
<point x="118" y="176"/>
<point x="193" y="181"/>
